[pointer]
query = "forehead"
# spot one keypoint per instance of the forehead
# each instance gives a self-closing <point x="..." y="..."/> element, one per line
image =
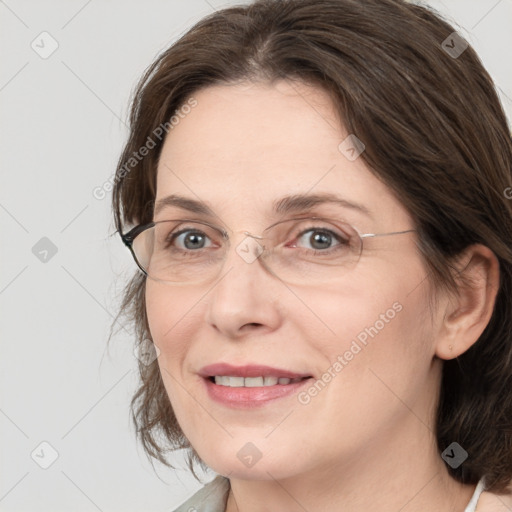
<point x="235" y="123"/>
<point x="246" y="145"/>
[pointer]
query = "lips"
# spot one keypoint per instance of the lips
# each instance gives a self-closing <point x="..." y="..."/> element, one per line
<point x="257" y="394"/>
<point x="252" y="370"/>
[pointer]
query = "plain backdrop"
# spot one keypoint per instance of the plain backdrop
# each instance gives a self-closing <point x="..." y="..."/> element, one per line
<point x="66" y="442"/>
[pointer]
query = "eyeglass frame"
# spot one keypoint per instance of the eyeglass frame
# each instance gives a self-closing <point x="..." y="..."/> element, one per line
<point x="129" y="237"/>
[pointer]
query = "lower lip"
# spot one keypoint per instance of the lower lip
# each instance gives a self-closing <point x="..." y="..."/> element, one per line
<point x="251" y="397"/>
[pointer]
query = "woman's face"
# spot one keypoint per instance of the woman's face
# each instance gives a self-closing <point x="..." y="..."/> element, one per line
<point x="365" y="337"/>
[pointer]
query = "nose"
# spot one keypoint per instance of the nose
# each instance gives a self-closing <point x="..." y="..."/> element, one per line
<point x="245" y="298"/>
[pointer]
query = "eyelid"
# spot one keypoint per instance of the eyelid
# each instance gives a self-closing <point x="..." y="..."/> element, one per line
<point x="225" y="234"/>
<point x="311" y="218"/>
<point x="179" y="222"/>
<point x="327" y="223"/>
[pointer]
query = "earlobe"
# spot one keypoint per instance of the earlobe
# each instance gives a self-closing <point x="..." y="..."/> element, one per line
<point x="468" y="312"/>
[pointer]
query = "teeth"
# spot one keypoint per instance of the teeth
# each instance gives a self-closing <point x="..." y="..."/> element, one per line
<point x="252" y="382"/>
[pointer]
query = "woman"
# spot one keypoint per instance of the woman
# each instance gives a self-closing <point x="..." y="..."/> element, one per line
<point x="315" y="192"/>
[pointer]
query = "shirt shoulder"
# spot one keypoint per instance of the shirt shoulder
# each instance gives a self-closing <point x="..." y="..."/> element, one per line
<point x="210" y="498"/>
<point x="490" y="502"/>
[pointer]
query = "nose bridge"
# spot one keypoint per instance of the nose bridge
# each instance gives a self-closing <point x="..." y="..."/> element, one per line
<point x="244" y="246"/>
<point x="241" y="297"/>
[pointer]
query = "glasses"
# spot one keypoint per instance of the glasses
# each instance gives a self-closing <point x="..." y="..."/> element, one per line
<point x="298" y="251"/>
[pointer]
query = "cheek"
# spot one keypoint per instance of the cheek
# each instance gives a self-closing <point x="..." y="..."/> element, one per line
<point x="379" y="324"/>
<point x="173" y="317"/>
<point x="378" y="358"/>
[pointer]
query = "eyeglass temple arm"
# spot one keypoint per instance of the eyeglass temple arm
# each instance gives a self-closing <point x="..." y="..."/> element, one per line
<point x="370" y="235"/>
<point x="128" y="237"/>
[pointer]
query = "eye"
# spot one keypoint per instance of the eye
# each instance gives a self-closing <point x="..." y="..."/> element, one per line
<point x="320" y="239"/>
<point x="190" y="239"/>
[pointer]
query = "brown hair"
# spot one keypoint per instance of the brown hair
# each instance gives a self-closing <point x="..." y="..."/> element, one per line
<point x="434" y="132"/>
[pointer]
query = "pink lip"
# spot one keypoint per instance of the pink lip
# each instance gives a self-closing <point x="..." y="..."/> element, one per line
<point x="249" y="397"/>
<point x="244" y="398"/>
<point x="250" y="370"/>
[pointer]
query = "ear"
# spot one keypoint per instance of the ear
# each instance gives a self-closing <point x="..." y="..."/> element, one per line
<point x="468" y="311"/>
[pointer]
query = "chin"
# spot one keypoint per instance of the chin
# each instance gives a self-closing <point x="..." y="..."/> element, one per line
<point x="240" y="465"/>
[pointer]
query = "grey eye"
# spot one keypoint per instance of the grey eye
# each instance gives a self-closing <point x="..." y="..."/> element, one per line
<point x="319" y="239"/>
<point x="191" y="239"/>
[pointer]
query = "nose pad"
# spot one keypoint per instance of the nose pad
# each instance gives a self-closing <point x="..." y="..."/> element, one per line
<point x="246" y="233"/>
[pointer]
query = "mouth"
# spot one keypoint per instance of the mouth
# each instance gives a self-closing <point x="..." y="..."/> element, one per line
<point x="252" y="392"/>
<point x="253" y="382"/>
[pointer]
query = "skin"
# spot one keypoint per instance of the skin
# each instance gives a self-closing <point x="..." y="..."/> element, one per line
<point x="366" y="441"/>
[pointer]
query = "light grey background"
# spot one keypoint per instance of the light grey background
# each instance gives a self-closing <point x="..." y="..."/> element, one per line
<point x="62" y="126"/>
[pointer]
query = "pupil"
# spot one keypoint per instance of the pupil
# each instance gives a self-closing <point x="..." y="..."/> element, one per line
<point x="193" y="241"/>
<point x="320" y="240"/>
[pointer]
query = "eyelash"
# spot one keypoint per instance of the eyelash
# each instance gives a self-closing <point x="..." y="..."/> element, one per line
<point x="173" y="236"/>
<point x="337" y="238"/>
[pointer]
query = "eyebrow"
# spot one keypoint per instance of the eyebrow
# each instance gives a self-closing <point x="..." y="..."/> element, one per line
<point x="288" y="204"/>
<point x="301" y="202"/>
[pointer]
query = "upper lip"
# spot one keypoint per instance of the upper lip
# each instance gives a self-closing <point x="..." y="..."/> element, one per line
<point x="249" y="370"/>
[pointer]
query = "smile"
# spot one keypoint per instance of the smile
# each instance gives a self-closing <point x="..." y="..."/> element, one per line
<point x="252" y="382"/>
<point x="252" y="392"/>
